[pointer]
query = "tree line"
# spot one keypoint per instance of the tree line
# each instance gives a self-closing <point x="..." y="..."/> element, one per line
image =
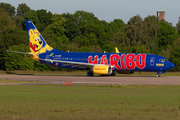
<point x="83" y="32"/>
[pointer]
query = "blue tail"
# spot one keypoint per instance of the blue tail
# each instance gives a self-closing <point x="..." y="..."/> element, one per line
<point x="36" y="41"/>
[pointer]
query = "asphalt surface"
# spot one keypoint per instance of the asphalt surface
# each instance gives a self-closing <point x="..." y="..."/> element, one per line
<point x="56" y="79"/>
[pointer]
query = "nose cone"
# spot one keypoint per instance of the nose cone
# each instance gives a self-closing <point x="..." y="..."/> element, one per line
<point x="170" y="65"/>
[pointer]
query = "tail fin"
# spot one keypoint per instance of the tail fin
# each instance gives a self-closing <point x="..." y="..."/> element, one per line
<point x="36" y="41"/>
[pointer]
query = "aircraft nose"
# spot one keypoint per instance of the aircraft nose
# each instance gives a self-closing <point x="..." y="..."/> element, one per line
<point x="172" y="65"/>
<point x="169" y="65"/>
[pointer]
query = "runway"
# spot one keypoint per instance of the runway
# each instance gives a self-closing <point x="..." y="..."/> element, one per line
<point x="56" y="79"/>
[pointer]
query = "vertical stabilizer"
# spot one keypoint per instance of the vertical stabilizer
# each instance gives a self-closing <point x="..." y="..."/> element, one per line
<point x="36" y="41"/>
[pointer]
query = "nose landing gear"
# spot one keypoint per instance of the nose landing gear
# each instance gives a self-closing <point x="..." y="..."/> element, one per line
<point x="159" y="72"/>
<point x="157" y="75"/>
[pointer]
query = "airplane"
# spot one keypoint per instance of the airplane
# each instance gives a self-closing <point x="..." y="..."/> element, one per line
<point x="94" y="63"/>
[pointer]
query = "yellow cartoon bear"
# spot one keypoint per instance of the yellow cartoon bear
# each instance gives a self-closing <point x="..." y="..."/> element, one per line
<point x="36" y="43"/>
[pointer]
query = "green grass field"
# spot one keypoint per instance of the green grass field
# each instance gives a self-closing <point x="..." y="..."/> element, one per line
<point x="80" y="102"/>
<point x="2" y="81"/>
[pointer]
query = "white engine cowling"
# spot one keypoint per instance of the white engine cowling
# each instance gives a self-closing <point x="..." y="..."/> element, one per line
<point x="103" y="70"/>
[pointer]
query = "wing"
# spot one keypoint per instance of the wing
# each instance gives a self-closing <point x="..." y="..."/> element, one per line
<point x="74" y="64"/>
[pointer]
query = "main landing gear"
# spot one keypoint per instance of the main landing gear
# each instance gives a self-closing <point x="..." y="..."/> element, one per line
<point x="90" y="74"/>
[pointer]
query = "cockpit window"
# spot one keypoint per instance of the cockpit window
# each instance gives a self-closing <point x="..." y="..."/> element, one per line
<point x="163" y="60"/>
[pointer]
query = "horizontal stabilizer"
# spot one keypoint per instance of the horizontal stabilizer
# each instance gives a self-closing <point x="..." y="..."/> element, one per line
<point x="19" y="52"/>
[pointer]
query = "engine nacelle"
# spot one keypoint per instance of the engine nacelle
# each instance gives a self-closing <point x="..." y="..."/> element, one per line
<point x="125" y="72"/>
<point x="103" y="70"/>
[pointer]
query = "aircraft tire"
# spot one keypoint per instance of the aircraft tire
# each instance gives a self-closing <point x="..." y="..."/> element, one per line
<point x="112" y="74"/>
<point x="90" y="74"/>
<point x="157" y="75"/>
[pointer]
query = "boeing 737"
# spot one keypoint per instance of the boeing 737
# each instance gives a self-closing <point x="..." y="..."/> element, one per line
<point x="94" y="63"/>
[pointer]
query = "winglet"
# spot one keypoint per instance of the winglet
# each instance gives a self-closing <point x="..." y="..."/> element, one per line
<point x="116" y="49"/>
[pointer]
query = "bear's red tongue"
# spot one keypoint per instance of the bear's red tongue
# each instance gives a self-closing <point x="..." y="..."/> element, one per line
<point x="33" y="47"/>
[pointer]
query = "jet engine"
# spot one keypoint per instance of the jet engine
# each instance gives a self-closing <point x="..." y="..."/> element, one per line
<point x="103" y="70"/>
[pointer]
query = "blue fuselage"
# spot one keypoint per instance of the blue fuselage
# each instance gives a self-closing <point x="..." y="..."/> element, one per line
<point x="119" y="61"/>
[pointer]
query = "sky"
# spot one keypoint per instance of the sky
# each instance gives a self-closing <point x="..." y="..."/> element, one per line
<point x="107" y="10"/>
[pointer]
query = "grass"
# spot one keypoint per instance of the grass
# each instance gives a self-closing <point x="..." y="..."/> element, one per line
<point x="6" y="81"/>
<point x="90" y="102"/>
<point x="80" y="72"/>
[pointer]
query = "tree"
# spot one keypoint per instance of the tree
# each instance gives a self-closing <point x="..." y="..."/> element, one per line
<point x="5" y="23"/>
<point x="142" y="32"/>
<point x="83" y="16"/>
<point x="109" y="48"/>
<point x="54" y="33"/>
<point x="135" y="20"/>
<point x="8" y="8"/>
<point x="16" y="61"/>
<point x="116" y="32"/>
<point x="136" y="49"/>
<point x="175" y="54"/>
<point x="166" y="35"/>
<point x="151" y="33"/>
<point x="57" y="24"/>
<point x="118" y="39"/>
<point x="178" y="25"/>
<point x="44" y="18"/>
<point x="5" y="20"/>
<point x="71" y="27"/>
<point x="33" y="16"/>
<point x="18" y="21"/>
<point x="134" y="31"/>
<point x="22" y="10"/>
<point x="116" y="26"/>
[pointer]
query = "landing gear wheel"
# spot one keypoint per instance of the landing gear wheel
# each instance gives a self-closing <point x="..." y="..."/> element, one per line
<point x="90" y="74"/>
<point x="157" y="75"/>
<point x="112" y="74"/>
